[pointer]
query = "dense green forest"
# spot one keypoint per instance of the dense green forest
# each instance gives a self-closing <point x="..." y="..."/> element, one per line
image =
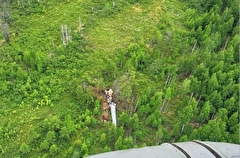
<point x="173" y="67"/>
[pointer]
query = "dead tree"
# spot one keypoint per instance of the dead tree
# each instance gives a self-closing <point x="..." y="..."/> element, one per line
<point x="80" y="25"/>
<point x="66" y="35"/>
<point x="226" y="43"/>
<point x="164" y="105"/>
<point x="113" y="3"/>
<point x="21" y="3"/>
<point x="5" y="19"/>
<point x="84" y="86"/>
<point x="195" y="44"/>
<point x="168" y="81"/>
<point x="5" y="32"/>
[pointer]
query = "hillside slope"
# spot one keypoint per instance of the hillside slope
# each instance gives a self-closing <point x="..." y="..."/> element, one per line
<point x="173" y="67"/>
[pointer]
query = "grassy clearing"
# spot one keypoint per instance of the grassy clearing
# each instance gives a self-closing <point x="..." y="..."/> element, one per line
<point x="131" y="25"/>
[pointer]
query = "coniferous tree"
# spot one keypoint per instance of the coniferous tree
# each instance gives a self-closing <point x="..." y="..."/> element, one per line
<point x="25" y="148"/>
<point x="159" y="135"/>
<point x="205" y="112"/>
<point x="84" y="149"/>
<point x="128" y="143"/>
<point x="54" y="149"/>
<point x="185" y="115"/>
<point x="233" y="122"/>
<point x="119" y="143"/>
